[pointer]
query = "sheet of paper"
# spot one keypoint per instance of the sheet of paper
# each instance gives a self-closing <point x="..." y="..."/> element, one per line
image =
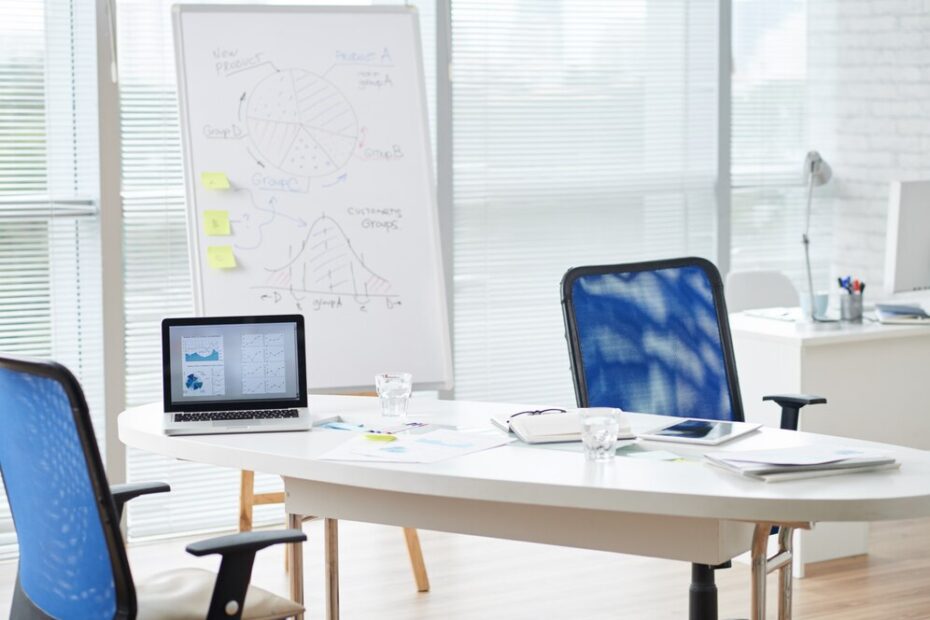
<point x="426" y="448"/>
<point x="654" y="455"/>
<point x="214" y="180"/>
<point x="221" y="257"/>
<point x="801" y="455"/>
<point x="216" y="223"/>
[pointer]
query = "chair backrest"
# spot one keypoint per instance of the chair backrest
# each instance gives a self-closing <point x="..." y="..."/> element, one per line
<point x="72" y="562"/>
<point x="759" y="288"/>
<point x="652" y="337"/>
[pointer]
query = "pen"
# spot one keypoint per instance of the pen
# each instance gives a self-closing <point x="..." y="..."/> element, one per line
<point x="343" y="426"/>
<point x="390" y="431"/>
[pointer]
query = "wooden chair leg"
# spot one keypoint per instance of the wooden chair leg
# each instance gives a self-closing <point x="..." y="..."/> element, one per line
<point x="416" y="559"/>
<point x="246" y="500"/>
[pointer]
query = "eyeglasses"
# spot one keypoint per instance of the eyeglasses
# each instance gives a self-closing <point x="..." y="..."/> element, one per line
<point x="535" y="412"/>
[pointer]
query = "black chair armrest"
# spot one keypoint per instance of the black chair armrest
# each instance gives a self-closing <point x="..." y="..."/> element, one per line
<point x="791" y="406"/>
<point x="238" y="553"/>
<point x="122" y="493"/>
<point x="244" y="542"/>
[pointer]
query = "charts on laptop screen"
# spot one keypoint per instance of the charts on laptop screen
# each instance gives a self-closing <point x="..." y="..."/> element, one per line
<point x="227" y="363"/>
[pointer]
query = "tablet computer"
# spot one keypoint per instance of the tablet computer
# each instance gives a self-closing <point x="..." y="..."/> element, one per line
<point x="708" y="432"/>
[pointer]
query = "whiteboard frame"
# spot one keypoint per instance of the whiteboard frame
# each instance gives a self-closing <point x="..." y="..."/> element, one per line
<point x="193" y="225"/>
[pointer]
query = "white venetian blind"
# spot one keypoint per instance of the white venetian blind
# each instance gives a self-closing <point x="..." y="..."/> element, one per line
<point x="157" y="272"/>
<point x="585" y="132"/>
<point x="49" y="242"/>
<point x="769" y="141"/>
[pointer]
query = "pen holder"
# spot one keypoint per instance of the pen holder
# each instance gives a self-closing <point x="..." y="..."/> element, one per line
<point x="851" y="308"/>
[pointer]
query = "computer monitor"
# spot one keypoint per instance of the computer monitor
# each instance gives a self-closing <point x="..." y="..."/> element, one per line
<point x="907" y="249"/>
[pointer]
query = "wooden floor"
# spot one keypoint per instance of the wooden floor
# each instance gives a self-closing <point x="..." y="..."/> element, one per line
<point x="485" y="579"/>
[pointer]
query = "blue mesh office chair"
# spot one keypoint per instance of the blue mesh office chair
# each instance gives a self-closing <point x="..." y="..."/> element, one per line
<point x="72" y="561"/>
<point x="654" y="337"/>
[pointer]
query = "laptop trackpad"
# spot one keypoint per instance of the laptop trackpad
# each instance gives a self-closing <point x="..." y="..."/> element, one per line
<point x="234" y="423"/>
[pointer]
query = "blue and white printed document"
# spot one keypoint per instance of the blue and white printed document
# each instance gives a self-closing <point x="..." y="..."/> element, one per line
<point x="425" y="448"/>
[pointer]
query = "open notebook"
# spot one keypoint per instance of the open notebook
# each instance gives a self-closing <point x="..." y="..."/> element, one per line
<point x="551" y="427"/>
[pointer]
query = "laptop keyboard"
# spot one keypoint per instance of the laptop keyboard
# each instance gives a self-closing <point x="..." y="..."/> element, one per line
<point x="260" y="414"/>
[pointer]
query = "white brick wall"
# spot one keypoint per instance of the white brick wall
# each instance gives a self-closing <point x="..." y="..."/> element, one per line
<point x="869" y="76"/>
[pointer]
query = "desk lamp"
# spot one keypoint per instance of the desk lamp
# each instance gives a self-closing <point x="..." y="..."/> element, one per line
<point x="816" y="172"/>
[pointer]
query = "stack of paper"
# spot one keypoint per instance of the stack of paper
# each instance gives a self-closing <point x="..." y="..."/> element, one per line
<point x="901" y="314"/>
<point x="800" y="462"/>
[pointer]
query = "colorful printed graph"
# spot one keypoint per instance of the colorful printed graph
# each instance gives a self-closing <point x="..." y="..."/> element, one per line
<point x="213" y="356"/>
<point x="193" y="383"/>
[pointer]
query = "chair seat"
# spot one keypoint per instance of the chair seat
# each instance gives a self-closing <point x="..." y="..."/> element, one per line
<point x="184" y="594"/>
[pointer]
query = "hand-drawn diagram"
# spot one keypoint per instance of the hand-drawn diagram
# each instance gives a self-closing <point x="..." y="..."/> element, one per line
<point x="301" y="123"/>
<point x="325" y="263"/>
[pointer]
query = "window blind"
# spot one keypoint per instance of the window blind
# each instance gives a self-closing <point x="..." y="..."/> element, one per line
<point x="769" y="141"/>
<point x="157" y="271"/>
<point x="585" y="132"/>
<point x="49" y="240"/>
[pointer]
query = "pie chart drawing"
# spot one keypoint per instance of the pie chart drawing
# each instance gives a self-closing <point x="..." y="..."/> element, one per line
<point x="302" y="124"/>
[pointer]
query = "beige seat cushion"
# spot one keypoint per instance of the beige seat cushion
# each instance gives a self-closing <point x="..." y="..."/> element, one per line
<point x="184" y="594"/>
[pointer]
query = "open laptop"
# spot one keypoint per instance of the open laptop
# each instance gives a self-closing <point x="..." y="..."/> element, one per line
<point x="243" y="374"/>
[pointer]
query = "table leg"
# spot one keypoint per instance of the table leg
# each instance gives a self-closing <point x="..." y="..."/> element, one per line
<point x="760" y="543"/>
<point x="762" y="565"/>
<point x="295" y="559"/>
<point x="785" y="538"/>
<point x="331" y="533"/>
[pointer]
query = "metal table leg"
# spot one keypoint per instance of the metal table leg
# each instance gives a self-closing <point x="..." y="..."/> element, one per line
<point x="785" y="545"/>
<point x="763" y="565"/>
<point x="760" y="543"/>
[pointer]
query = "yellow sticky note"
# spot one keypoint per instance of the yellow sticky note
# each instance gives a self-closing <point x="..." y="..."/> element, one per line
<point x="214" y="180"/>
<point x="216" y="223"/>
<point x="221" y="257"/>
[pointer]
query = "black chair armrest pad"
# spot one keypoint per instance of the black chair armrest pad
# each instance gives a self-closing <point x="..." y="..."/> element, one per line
<point x="122" y="493"/>
<point x="244" y="542"/>
<point x="796" y="400"/>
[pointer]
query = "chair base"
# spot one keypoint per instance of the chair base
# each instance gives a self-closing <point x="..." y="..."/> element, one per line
<point x="702" y="598"/>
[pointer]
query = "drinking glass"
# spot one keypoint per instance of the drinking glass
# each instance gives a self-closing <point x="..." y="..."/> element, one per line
<point x="599" y="429"/>
<point x="394" y="391"/>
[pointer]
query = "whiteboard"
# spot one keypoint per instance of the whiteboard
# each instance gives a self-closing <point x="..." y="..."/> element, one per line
<point x="310" y="185"/>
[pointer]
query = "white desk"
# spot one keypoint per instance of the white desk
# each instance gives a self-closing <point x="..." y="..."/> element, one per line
<point x="678" y="510"/>
<point x="874" y="379"/>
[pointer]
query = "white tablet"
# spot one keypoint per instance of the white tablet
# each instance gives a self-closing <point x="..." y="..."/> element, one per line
<point x="708" y="432"/>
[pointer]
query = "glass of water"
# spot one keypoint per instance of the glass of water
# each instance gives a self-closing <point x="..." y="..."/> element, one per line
<point x="394" y="391"/>
<point x="599" y="429"/>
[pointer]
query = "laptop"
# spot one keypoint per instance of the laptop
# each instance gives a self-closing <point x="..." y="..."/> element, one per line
<point x="234" y="374"/>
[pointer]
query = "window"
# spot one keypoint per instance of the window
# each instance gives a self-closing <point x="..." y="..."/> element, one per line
<point x="49" y="242"/>
<point x="769" y="141"/>
<point x="585" y="132"/>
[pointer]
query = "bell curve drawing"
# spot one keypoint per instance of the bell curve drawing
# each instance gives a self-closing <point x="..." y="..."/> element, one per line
<point x="325" y="263"/>
<point x="301" y="123"/>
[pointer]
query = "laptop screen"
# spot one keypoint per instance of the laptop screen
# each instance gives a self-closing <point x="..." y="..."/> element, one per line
<point x="230" y="363"/>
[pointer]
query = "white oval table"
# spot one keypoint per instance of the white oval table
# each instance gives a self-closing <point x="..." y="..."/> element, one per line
<point x="680" y="510"/>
